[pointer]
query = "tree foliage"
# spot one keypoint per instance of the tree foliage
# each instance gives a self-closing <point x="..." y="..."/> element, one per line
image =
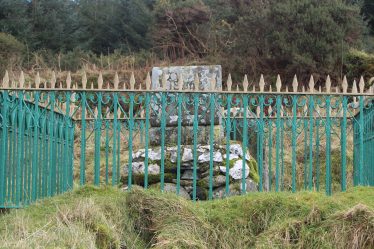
<point x="245" y="36"/>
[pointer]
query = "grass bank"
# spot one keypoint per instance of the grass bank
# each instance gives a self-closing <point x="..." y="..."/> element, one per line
<point x="108" y="218"/>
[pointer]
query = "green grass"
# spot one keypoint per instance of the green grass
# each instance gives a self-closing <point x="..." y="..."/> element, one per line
<point x="109" y="218"/>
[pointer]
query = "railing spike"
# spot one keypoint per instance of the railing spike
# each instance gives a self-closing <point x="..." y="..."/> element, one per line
<point x="320" y="89"/>
<point x="337" y="89"/>
<point x="213" y="82"/>
<point x="180" y="82"/>
<point x="328" y="84"/>
<point x="303" y="89"/>
<point x="245" y="83"/>
<point x="345" y="84"/>
<point x="6" y="80"/>
<point x="270" y="88"/>
<point x="92" y="85"/>
<point x="37" y="80"/>
<point x="295" y="84"/>
<point x="100" y="81"/>
<point x="278" y="84"/>
<point x="21" y="80"/>
<point x="354" y="87"/>
<point x="132" y="81"/>
<point x="116" y="81"/>
<point x="362" y="84"/>
<point x="262" y="83"/>
<point x="13" y="84"/>
<point x="148" y="82"/>
<point x="286" y="89"/>
<point x="140" y="86"/>
<point x="68" y="81"/>
<point x="254" y="88"/>
<point x="53" y="80"/>
<point x="229" y="82"/>
<point x="197" y="82"/>
<point x="84" y="80"/>
<point x="237" y="88"/>
<point x="311" y="84"/>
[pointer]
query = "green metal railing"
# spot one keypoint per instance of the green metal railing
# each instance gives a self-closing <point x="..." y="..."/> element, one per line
<point x="36" y="144"/>
<point x="364" y="172"/>
<point x="300" y="140"/>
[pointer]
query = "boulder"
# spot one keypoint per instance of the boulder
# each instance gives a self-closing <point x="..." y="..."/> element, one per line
<point x="187" y="155"/>
<point x="172" y="188"/>
<point x="250" y="185"/>
<point x="236" y="170"/>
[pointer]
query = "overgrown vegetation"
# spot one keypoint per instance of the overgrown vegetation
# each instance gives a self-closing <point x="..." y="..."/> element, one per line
<point x="109" y="218"/>
<point x="269" y="37"/>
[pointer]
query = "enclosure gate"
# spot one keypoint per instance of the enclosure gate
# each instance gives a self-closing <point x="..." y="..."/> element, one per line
<point x="290" y="141"/>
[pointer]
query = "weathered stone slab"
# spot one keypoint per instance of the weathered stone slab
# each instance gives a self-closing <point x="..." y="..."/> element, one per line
<point x="205" y="74"/>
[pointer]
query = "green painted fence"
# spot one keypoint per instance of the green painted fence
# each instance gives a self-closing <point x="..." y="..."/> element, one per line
<point x="300" y="139"/>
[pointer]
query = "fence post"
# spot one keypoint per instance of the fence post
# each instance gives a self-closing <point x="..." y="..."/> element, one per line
<point x="4" y="139"/>
<point x="294" y="135"/>
<point x="362" y="128"/>
<point x="344" y="136"/>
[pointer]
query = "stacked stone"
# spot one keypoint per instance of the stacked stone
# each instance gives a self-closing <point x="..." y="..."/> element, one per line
<point x="236" y="157"/>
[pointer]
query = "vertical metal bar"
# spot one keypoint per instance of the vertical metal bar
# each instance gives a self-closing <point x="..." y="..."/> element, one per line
<point x="282" y="155"/>
<point x="361" y="141"/>
<point x="115" y="135"/>
<point x="311" y="127"/>
<point x="71" y="155"/>
<point x="62" y="154"/>
<point x="180" y="99"/>
<point x="344" y="145"/>
<point x="195" y="127"/>
<point x="4" y="145"/>
<point x="106" y="152"/>
<point x="270" y="141"/>
<point x="51" y="130"/>
<point x="131" y="128"/>
<point x="35" y="146"/>
<point x="98" y="123"/>
<point x="82" y="173"/>
<point x="328" y="146"/>
<point x="45" y="170"/>
<point x="318" y="168"/>
<point x="211" y="141"/>
<point x="118" y="165"/>
<point x="163" y="127"/>
<point x="228" y="130"/>
<point x="147" y="109"/>
<point x="66" y="120"/>
<point x="294" y="127"/>
<point x="245" y="137"/>
<point x="19" y="147"/>
<point x="305" y="153"/>
<point x="13" y="153"/>
<point x="261" y="142"/>
<point x="278" y="131"/>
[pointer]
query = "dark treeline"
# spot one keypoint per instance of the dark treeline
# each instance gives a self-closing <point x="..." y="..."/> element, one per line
<point x="245" y="36"/>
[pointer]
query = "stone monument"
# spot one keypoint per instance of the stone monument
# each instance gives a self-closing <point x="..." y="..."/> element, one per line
<point x="188" y="73"/>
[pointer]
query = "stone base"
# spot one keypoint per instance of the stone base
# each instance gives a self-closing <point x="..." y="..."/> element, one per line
<point x="235" y="167"/>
